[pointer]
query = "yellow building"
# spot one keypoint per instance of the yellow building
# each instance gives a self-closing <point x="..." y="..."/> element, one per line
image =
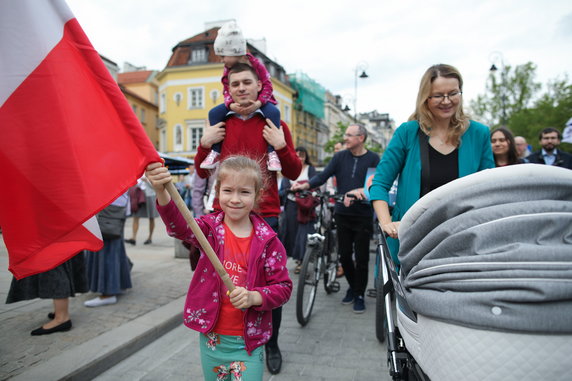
<point x="190" y="85"/>
<point x="140" y="89"/>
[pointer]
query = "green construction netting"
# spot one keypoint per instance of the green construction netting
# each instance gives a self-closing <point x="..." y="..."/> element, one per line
<point x="311" y="95"/>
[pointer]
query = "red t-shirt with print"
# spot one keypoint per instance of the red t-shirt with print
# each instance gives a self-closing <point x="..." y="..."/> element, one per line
<point x="236" y="250"/>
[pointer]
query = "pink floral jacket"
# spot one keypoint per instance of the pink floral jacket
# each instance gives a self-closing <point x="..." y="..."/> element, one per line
<point x="265" y="95"/>
<point x="267" y="274"/>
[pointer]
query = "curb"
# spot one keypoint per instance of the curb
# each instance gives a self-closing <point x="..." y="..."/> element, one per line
<point x="86" y="361"/>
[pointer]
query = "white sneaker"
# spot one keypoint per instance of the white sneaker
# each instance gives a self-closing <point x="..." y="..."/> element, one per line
<point x="273" y="162"/>
<point x="210" y="161"/>
<point x="99" y="301"/>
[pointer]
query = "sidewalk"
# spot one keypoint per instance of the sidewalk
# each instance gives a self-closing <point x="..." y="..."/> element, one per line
<point x="100" y="337"/>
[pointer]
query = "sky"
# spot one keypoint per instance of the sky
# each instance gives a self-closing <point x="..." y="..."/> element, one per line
<point x="394" y="41"/>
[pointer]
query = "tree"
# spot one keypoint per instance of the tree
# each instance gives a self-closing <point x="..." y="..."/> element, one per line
<point x="337" y="137"/>
<point x="526" y="112"/>
<point x="513" y="93"/>
<point x="552" y="109"/>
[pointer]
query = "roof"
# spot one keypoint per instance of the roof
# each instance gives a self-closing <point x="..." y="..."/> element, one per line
<point x="134" y="77"/>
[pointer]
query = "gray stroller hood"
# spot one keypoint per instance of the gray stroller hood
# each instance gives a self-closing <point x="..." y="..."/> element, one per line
<point x="493" y="250"/>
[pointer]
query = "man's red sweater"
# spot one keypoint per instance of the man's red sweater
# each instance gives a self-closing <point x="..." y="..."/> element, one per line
<point x="244" y="137"/>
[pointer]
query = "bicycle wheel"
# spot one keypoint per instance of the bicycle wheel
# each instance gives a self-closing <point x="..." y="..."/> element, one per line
<point x="332" y="262"/>
<point x="308" y="284"/>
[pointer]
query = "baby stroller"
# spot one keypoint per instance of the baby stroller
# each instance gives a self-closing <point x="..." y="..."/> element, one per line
<point x="484" y="291"/>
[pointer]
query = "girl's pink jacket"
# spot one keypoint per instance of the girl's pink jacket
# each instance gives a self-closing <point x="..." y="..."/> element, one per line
<point x="265" y="95"/>
<point x="267" y="274"/>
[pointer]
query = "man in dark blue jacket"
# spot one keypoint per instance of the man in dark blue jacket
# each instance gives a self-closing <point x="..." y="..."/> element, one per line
<point x="549" y="154"/>
<point x="354" y="221"/>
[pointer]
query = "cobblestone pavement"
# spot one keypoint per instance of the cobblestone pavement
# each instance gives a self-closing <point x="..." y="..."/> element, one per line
<point x="158" y="278"/>
<point x="336" y="344"/>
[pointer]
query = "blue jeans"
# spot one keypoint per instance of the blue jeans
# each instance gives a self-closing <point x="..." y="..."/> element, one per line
<point x="218" y="113"/>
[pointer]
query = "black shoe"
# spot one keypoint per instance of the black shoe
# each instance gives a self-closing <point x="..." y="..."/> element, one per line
<point x="131" y="241"/>
<point x="148" y="242"/>
<point x="51" y="316"/>
<point x="349" y="298"/>
<point x="65" y="326"/>
<point x="273" y="359"/>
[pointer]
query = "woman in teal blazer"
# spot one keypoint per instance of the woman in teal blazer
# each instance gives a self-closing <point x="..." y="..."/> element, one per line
<point x="455" y="146"/>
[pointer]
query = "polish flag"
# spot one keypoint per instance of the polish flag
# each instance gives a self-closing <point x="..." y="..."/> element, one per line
<point x="70" y="143"/>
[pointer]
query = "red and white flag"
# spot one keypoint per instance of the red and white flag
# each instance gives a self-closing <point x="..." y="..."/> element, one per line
<point x="70" y="143"/>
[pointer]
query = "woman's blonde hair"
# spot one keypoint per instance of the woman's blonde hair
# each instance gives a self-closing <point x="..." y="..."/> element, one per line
<point x="247" y="167"/>
<point x="459" y="122"/>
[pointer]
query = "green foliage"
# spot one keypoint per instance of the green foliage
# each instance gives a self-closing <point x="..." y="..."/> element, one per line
<point x="337" y="137"/>
<point x="552" y="109"/>
<point x="507" y="92"/>
<point x="374" y="147"/>
<point x="526" y="111"/>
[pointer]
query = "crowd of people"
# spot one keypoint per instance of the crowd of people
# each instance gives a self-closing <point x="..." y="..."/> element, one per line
<point x="254" y="222"/>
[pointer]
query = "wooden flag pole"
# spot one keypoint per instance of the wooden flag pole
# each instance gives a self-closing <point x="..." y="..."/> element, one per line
<point x="205" y="245"/>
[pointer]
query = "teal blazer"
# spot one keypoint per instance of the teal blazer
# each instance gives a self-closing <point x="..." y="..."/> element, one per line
<point x="402" y="158"/>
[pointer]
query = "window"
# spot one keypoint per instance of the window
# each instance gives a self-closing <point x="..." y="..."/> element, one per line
<point x="286" y="116"/>
<point x="196" y="98"/>
<point x="178" y="138"/>
<point x="195" y="133"/>
<point x="142" y="115"/>
<point x="162" y="104"/>
<point x="214" y="95"/>
<point x="178" y="97"/>
<point x="163" y="140"/>
<point x="134" y="107"/>
<point x="199" y="55"/>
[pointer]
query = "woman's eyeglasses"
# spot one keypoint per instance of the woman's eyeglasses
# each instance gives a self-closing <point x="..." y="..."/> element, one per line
<point x="454" y="96"/>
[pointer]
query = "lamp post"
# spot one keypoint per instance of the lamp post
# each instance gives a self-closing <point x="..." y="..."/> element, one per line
<point x="498" y="58"/>
<point x="362" y="66"/>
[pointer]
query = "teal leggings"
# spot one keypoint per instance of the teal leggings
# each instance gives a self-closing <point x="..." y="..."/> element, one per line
<point x="225" y="358"/>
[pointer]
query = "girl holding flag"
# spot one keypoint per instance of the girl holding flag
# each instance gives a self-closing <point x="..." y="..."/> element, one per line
<point x="233" y="324"/>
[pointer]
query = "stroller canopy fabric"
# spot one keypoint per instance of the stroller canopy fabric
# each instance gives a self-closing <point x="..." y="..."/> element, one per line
<point x="493" y="250"/>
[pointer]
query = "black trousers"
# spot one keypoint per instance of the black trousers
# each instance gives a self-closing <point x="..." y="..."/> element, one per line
<point x="354" y="233"/>
<point x="277" y="312"/>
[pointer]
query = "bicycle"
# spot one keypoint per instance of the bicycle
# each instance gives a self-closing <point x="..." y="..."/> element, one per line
<point x="320" y="258"/>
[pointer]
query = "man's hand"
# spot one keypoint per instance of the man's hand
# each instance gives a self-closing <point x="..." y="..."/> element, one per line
<point x="212" y="135"/>
<point x="241" y="298"/>
<point x="355" y="194"/>
<point x="274" y="135"/>
<point x="296" y="186"/>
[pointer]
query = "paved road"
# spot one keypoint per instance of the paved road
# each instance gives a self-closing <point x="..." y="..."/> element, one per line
<point x="158" y="280"/>
<point x="337" y="345"/>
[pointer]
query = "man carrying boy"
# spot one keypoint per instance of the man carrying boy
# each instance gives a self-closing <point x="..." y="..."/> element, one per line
<point x="250" y="135"/>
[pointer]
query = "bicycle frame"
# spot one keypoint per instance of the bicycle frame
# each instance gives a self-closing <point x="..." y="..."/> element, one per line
<point x="318" y="262"/>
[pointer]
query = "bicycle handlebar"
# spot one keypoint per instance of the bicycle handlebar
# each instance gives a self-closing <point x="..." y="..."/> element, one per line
<point x="317" y="193"/>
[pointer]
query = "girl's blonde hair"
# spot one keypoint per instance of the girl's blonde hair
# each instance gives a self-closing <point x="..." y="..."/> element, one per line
<point x="247" y="167"/>
<point x="459" y="122"/>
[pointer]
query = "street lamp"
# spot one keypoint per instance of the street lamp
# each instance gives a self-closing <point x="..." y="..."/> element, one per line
<point x="362" y="66"/>
<point x="498" y="57"/>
